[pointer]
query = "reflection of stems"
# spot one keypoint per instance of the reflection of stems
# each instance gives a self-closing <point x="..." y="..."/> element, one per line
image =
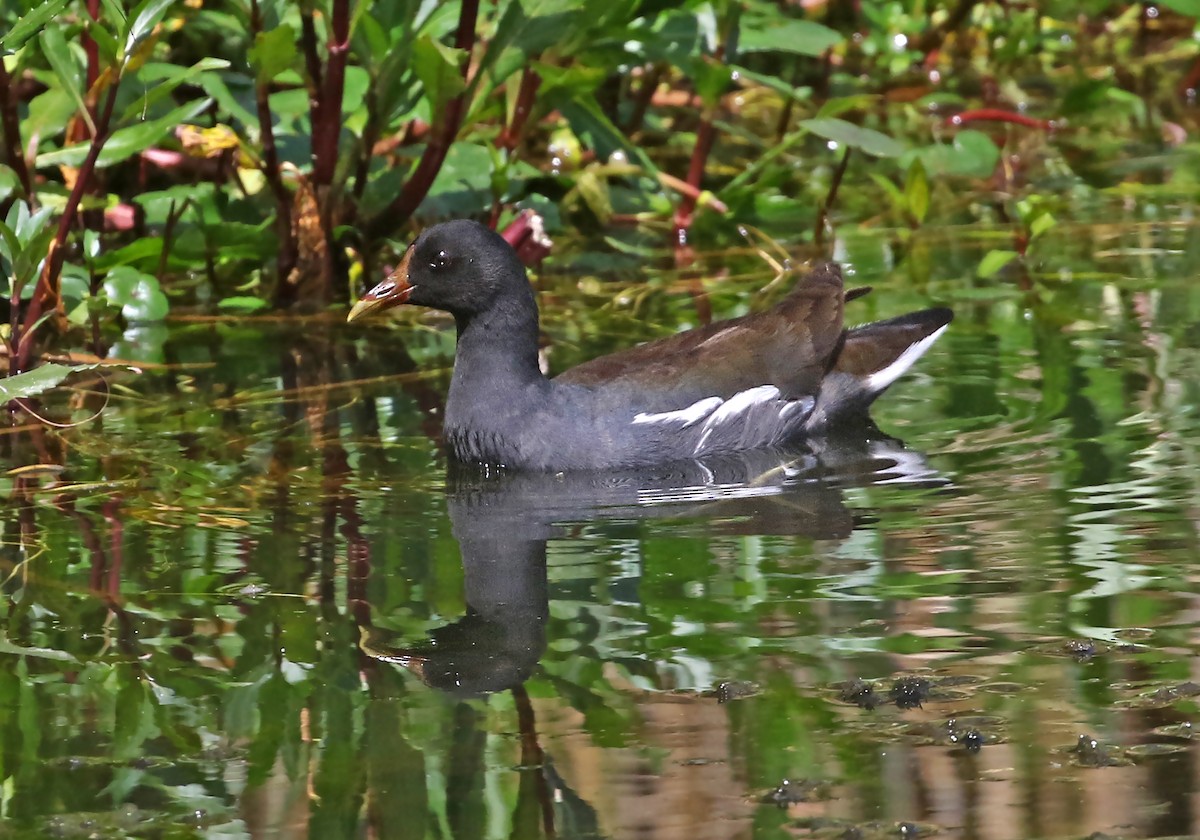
<point x="827" y="204"/>
<point x="532" y="756"/>
<point x="45" y="294"/>
<point x="402" y="206"/>
<point x="328" y="117"/>
<point x="270" y="167"/>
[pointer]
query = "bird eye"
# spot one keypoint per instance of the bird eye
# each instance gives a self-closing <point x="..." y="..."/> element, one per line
<point x="442" y="260"/>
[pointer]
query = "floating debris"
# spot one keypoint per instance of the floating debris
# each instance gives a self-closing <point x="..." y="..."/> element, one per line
<point x="861" y="693"/>
<point x="910" y="692"/>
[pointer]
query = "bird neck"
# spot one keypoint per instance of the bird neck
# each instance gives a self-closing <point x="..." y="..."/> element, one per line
<point x="498" y="348"/>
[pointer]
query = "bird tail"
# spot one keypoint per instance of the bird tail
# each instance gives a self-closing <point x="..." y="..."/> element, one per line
<point x="871" y="358"/>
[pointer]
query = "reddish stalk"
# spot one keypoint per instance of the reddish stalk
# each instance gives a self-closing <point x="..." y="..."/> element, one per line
<point x="706" y="135"/>
<point x="327" y="118"/>
<point x="45" y="294"/>
<point x="415" y="189"/>
<point x="997" y="115"/>
<point x="10" y="123"/>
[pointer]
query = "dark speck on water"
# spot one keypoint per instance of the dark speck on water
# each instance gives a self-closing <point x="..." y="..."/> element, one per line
<point x="860" y="693"/>
<point x="910" y="692"/>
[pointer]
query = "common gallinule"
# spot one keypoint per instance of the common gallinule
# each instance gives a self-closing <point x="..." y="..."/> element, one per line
<point x="764" y="379"/>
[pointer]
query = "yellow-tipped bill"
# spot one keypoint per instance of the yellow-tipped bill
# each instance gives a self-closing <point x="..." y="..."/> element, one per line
<point x="391" y="292"/>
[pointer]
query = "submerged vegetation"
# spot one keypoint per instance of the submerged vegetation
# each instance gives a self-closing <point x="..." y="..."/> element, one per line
<point x="259" y="154"/>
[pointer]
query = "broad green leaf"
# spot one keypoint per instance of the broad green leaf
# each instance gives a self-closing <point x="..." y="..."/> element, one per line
<point x="594" y="128"/>
<point x="36" y="381"/>
<point x="853" y="136"/>
<point x="65" y="65"/>
<point x="137" y="293"/>
<point x="273" y="52"/>
<point x="126" y="141"/>
<point x="994" y="261"/>
<point x="34" y="20"/>
<point x="146" y="17"/>
<point x="1190" y="8"/>
<point x="160" y="80"/>
<point x="800" y="37"/>
<point x="916" y="191"/>
<point x="971" y="154"/>
<point x="437" y="66"/>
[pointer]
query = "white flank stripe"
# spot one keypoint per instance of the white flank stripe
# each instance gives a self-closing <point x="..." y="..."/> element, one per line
<point x="686" y="416"/>
<point x="740" y="402"/>
<point x="881" y="379"/>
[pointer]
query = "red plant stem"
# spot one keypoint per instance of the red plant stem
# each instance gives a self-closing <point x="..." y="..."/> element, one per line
<point x="10" y="122"/>
<point x="706" y="135"/>
<point x="827" y="204"/>
<point x="997" y="115"/>
<point x="327" y="120"/>
<point x="270" y="165"/>
<point x="510" y="137"/>
<point x="405" y="204"/>
<point x="1187" y="88"/>
<point x="45" y="294"/>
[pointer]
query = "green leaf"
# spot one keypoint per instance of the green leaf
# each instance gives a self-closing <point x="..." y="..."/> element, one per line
<point x="799" y="37"/>
<point x="160" y="80"/>
<point x="126" y="141"/>
<point x="138" y="294"/>
<point x="243" y="303"/>
<point x="146" y="17"/>
<point x="853" y="136"/>
<point x="916" y="191"/>
<point x="1190" y="8"/>
<point x="36" y="381"/>
<point x="594" y="128"/>
<point x="993" y="261"/>
<point x="65" y="65"/>
<point x="273" y="52"/>
<point x="437" y="66"/>
<point x="30" y="24"/>
<point x="1041" y="223"/>
<point x="972" y="154"/>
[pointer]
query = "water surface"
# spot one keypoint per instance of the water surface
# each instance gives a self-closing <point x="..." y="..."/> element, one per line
<point x="250" y="601"/>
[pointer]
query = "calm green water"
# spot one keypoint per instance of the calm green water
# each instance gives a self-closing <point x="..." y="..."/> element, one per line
<point x="248" y="601"/>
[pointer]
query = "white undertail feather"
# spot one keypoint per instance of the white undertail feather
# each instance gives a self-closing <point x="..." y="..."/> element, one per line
<point x="739" y="403"/>
<point x="881" y="379"/>
<point x="694" y="413"/>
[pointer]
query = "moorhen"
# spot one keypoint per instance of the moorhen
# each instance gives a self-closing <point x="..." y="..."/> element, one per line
<point x="762" y="380"/>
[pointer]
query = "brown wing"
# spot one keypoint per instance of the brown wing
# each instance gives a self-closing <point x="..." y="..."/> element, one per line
<point x="790" y="346"/>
